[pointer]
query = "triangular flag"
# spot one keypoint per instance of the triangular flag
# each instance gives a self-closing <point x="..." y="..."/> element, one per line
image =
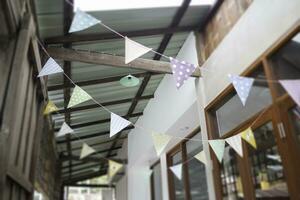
<point x="160" y="142"/>
<point x="236" y="143"/>
<point x="181" y="71"/>
<point x="113" y="168"/>
<point x="78" y="96"/>
<point x="177" y="170"/>
<point x="82" y="21"/>
<point x="65" y="129"/>
<point x="293" y="88"/>
<point x="201" y="157"/>
<point x="242" y="85"/>
<point x="103" y="179"/>
<point x="86" y="151"/>
<point x="117" y="124"/>
<point x="248" y="136"/>
<point x="218" y="146"/>
<point x="134" y="50"/>
<point x="50" y="107"/>
<point x="51" y="67"/>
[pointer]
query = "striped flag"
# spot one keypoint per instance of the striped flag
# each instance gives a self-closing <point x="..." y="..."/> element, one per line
<point x="117" y="124"/>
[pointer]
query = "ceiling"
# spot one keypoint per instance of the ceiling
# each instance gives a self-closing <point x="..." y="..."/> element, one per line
<point x="90" y="122"/>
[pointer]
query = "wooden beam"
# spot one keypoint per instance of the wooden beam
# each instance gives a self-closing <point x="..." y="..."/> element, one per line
<point x="64" y="158"/>
<point x="109" y="103"/>
<point x="108" y="36"/>
<point x="91" y="185"/>
<point x="111" y="60"/>
<point x="95" y="82"/>
<point x="89" y="136"/>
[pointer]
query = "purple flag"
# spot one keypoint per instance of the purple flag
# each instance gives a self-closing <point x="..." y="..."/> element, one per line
<point x="293" y="88"/>
<point x="181" y="71"/>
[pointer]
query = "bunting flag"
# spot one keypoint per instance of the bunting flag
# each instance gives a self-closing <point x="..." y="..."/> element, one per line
<point x="236" y="143"/>
<point x="160" y="142"/>
<point x="82" y="21"/>
<point x="86" y="151"/>
<point x="103" y="179"/>
<point x="293" y="88"/>
<point x="78" y="96"/>
<point x="117" y="124"/>
<point x="248" y="136"/>
<point x="242" y="85"/>
<point x="65" y="129"/>
<point x="181" y="71"/>
<point x="50" y="107"/>
<point x="201" y="157"/>
<point x="134" y="50"/>
<point x="51" y="67"/>
<point x="218" y="146"/>
<point x="177" y="170"/>
<point x="113" y="168"/>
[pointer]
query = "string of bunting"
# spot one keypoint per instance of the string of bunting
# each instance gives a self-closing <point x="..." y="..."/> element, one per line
<point x="182" y="70"/>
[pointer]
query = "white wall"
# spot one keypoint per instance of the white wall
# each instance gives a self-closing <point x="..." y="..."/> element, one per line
<point x="169" y="112"/>
<point x="260" y="26"/>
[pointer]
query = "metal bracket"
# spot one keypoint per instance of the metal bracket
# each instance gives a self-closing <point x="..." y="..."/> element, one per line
<point x="281" y="130"/>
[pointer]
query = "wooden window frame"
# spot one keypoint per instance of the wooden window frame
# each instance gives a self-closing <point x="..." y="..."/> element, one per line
<point x="262" y="61"/>
<point x="180" y="147"/>
<point x="152" y="188"/>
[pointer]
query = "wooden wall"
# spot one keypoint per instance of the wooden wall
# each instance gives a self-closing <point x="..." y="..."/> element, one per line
<point x="221" y="23"/>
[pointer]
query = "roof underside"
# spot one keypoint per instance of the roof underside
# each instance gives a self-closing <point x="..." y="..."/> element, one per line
<point x="91" y="123"/>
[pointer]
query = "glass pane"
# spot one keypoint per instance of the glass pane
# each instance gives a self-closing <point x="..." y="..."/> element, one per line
<point x="294" y="115"/>
<point x="157" y="182"/>
<point x="258" y="99"/>
<point x="286" y="61"/>
<point x="231" y="180"/>
<point x="178" y="184"/>
<point x="196" y="169"/>
<point x="266" y="165"/>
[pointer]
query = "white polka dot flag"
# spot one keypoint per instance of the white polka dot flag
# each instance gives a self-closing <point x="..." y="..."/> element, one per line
<point x="117" y="124"/>
<point x="82" y="21"/>
<point x="113" y="168"/>
<point x="78" y="96"/>
<point x="242" y="85"/>
<point x="86" y="151"/>
<point x="293" y="88"/>
<point x="236" y="143"/>
<point x="133" y="50"/>
<point x="218" y="146"/>
<point x="51" y="67"/>
<point x="160" y="142"/>
<point x="181" y="71"/>
<point x="65" y="129"/>
<point x="177" y="170"/>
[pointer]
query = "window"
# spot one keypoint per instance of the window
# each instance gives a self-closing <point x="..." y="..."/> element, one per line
<point x="156" y="186"/>
<point x="193" y="185"/>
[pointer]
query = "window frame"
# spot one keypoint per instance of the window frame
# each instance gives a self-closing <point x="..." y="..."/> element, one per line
<point x="152" y="188"/>
<point x="263" y="61"/>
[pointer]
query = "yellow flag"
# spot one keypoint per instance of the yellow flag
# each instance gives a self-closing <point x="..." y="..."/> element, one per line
<point x="248" y="136"/>
<point x="113" y="168"/>
<point x="51" y="107"/>
<point x="103" y="179"/>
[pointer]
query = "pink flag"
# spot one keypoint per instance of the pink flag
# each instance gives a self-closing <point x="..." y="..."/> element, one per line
<point x="293" y="88"/>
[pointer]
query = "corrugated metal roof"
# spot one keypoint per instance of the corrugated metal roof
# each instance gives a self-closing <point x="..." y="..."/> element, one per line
<point x="50" y="21"/>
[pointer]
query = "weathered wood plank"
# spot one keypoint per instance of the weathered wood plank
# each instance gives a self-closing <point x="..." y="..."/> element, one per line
<point x="111" y="60"/>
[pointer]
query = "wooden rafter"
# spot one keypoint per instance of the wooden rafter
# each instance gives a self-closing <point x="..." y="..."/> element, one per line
<point x="111" y="60"/>
<point x="107" y="36"/>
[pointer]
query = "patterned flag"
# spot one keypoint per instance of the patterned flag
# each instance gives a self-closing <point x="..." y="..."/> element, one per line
<point x="103" y="179"/>
<point x="86" y="151"/>
<point x="218" y="146"/>
<point x="160" y="142"/>
<point x="201" y="157"/>
<point x="113" y="168"/>
<point x="177" y="170"/>
<point x="78" y="96"/>
<point x="236" y="143"/>
<point x="293" y="88"/>
<point x="242" y="85"/>
<point x="65" y="129"/>
<point x="117" y="124"/>
<point x="134" y="50"/>
<point x="82" y="21"/>
<point x="51" y="67"/>
<point x="50" y="107"/>
<point x="181" y="71"/>
<point x="248" y="136"/>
